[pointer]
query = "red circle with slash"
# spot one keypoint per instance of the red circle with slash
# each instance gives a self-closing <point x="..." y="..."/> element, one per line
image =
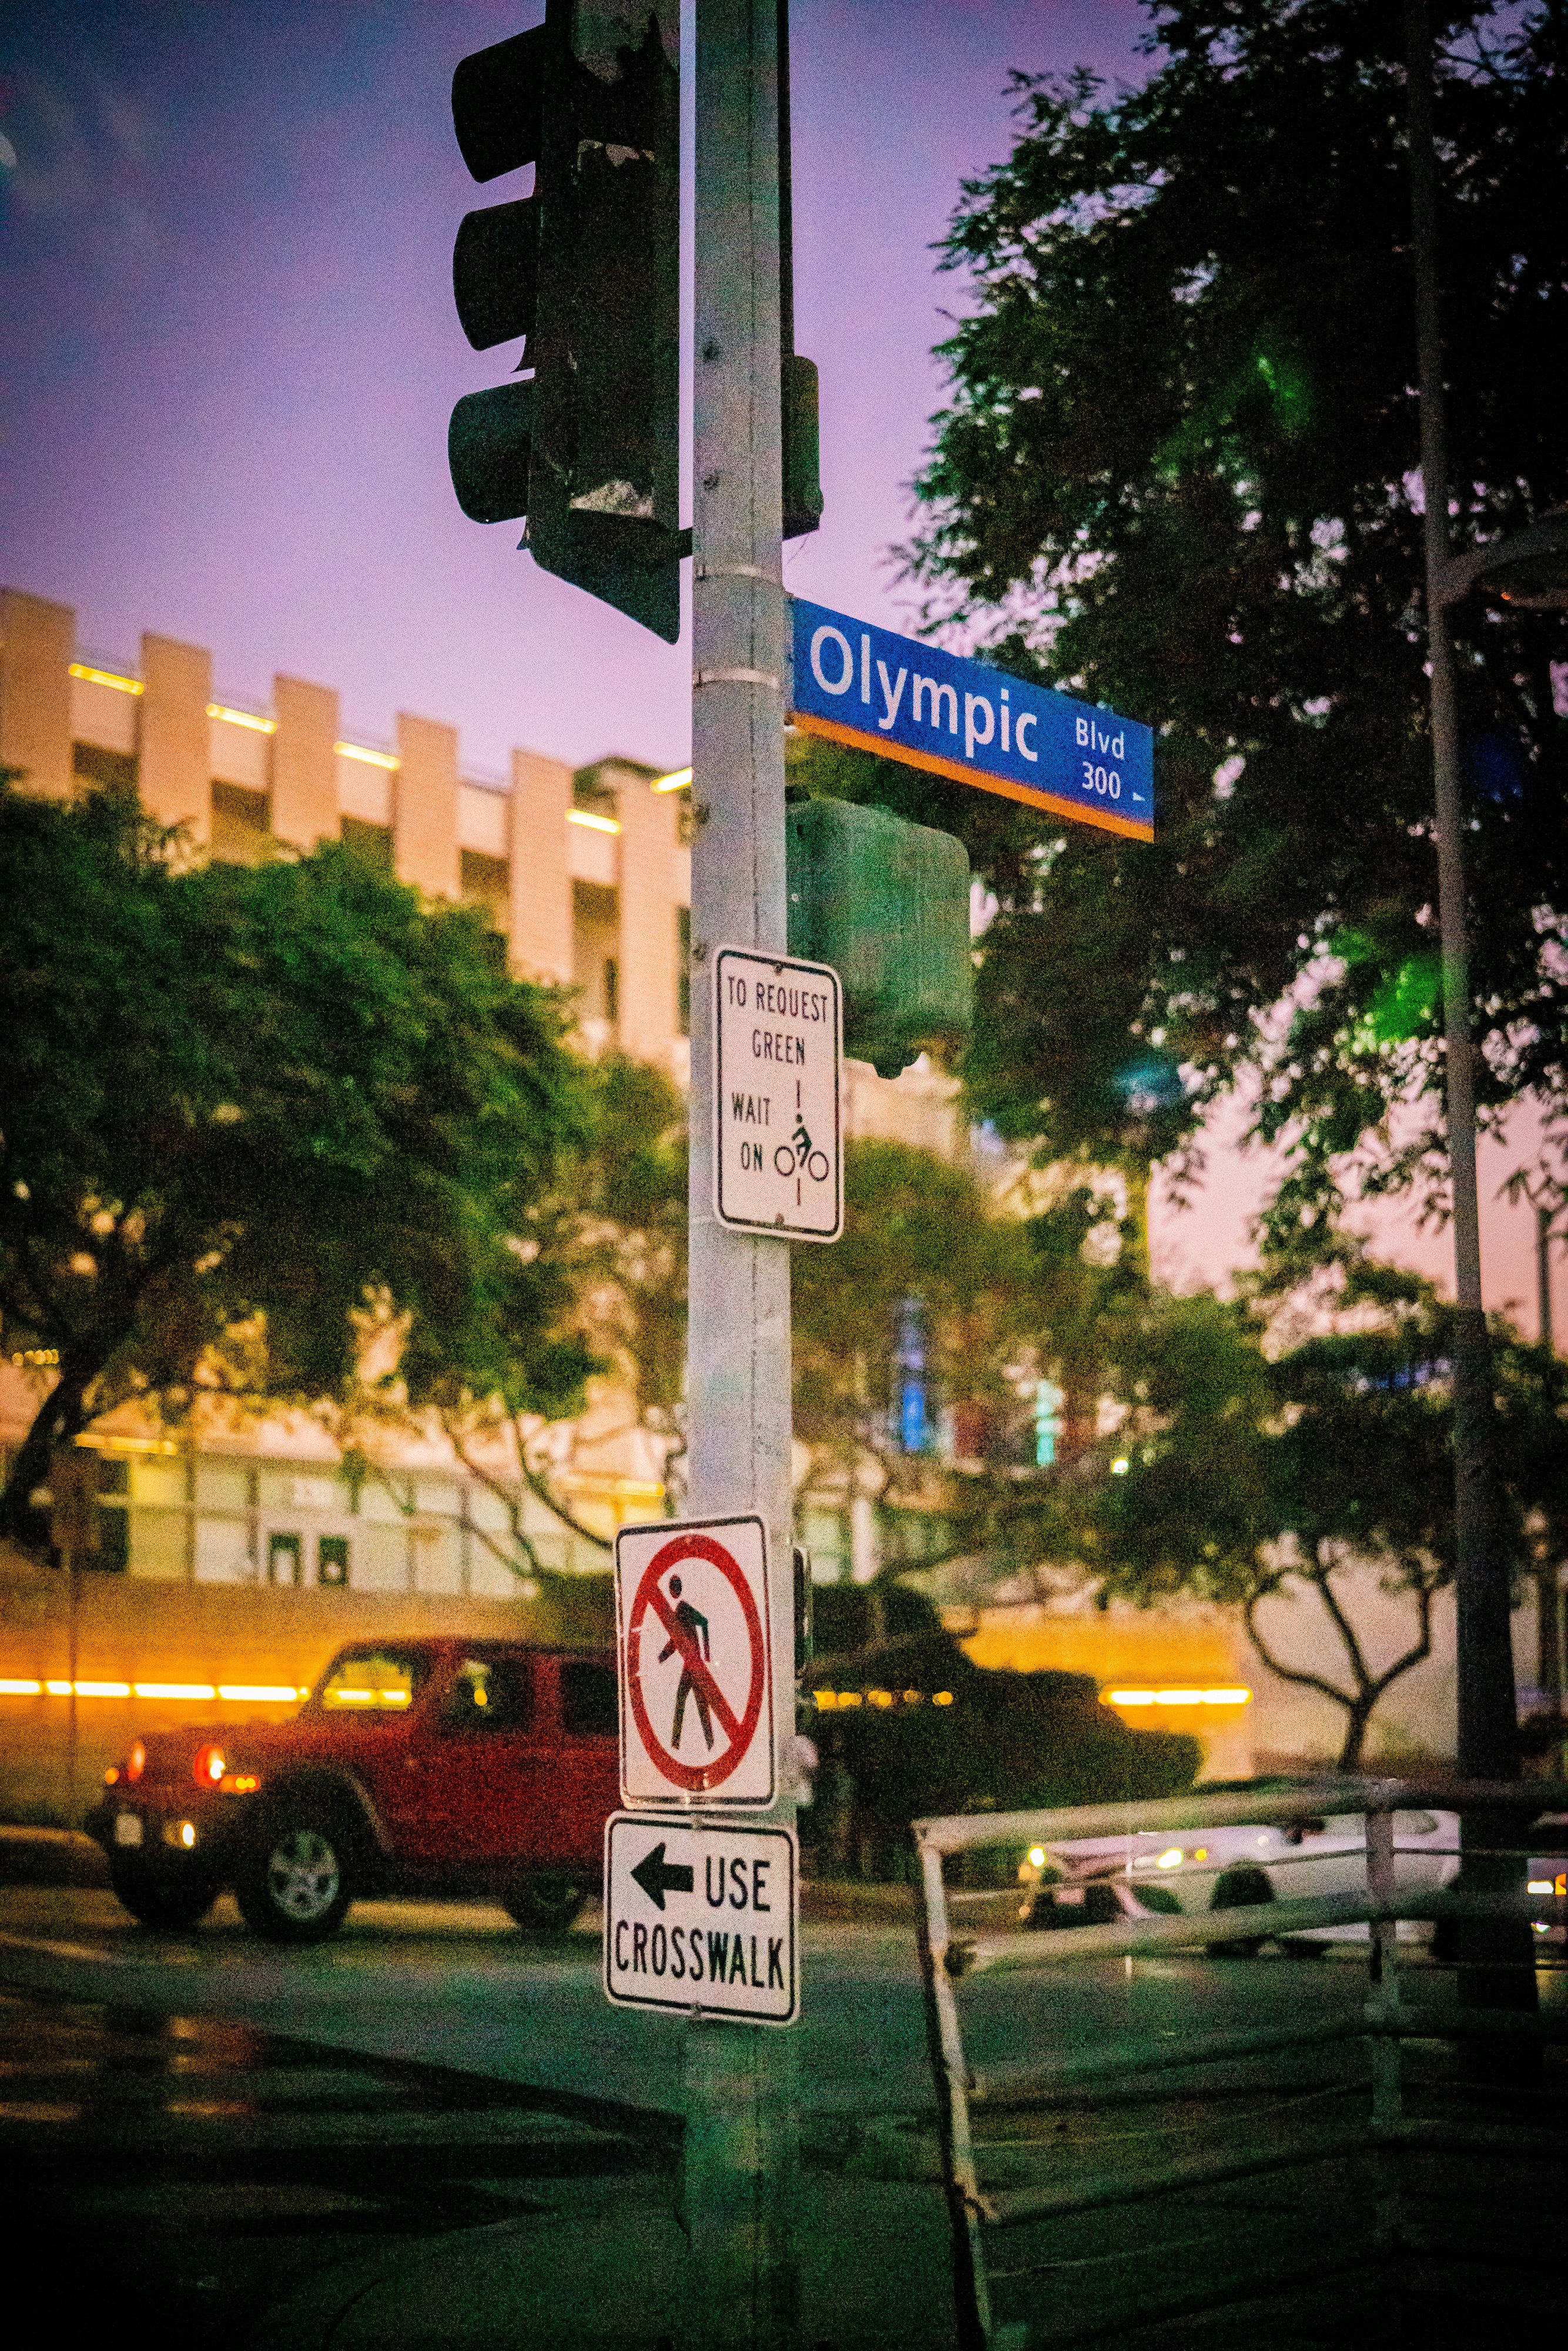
<point x="740" y="1729"/>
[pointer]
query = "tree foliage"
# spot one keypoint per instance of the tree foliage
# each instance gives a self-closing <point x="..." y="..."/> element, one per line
<point x="1000" y="1741"/>
<point x="1176" y="473"/>
<point x="250" y="1114"/>
<point x="1249" y="1472"/>
<point x="914" y="1226"/>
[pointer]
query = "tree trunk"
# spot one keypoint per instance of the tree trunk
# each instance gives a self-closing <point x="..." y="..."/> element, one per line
<point x="61" y="1415"/>
<point x="1357" y="1717"/>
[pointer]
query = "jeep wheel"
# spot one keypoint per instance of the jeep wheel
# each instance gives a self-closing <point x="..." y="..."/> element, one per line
<point x="171" y="1899"/>
<point x="295" y="1888"/>
<point x="547" y="1905"/>
<point x="1240" y="1890"/>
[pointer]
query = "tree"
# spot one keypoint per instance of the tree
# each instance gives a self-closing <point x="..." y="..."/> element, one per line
<point x="909" y="1728"/>
<point x="251" y="1115"/>
<point x="915" y="1226"/>
<point x="624" y="1247"/>
<point x="1246" y="1473"/>
<point x="1173" y="474"/>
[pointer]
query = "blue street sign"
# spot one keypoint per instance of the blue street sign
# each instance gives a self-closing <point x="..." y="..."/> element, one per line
<point x="861" y="685"/>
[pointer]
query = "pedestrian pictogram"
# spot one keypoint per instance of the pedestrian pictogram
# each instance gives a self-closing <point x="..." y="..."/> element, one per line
<point x="702" y="1917"/>
<point x="696" y="1662"/>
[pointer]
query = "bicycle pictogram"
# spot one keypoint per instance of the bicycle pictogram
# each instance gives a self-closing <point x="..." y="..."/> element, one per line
<point x="799" y="1156"/>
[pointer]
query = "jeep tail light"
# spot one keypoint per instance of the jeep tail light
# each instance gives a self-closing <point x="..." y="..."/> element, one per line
<point x="208" y="1766"/>
<point x="136" y="1762"/>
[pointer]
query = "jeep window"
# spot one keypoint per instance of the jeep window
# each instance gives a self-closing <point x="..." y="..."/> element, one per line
<point x="588" y="1701"/>
<point x="372" y="1681"/>
<point x="487" y="1694"/>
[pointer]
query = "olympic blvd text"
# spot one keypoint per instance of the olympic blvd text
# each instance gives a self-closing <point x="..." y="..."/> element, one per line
<point x="853" y="682"/>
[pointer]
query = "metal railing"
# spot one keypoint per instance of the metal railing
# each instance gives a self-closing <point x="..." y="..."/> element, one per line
<point x="986" y="2182"/>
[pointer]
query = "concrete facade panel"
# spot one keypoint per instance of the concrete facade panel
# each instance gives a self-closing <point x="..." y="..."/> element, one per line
<point x="541" y="873"/>
<point x="304" y="765"/>
<point x="481" y="819"/>
<point x="364" y="791"/>
<point x="104" y="716"/>
<point x="424" y="807"/>
<point x="36" y="640"/>
<point x="239" y="755"/>
<point x="175" y="774"/>
<point x="593" y="855"/>
<point x="648" y="841"/>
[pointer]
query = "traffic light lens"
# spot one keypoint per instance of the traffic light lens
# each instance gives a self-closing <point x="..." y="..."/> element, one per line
<point x="495" y="273"/>
<point x="487" y="448"/>
<point x="497" y="105"/>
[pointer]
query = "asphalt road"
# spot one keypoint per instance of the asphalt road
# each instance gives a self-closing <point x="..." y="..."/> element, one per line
<point x="458" y="1985"/>
<point x="435" y="2130"/>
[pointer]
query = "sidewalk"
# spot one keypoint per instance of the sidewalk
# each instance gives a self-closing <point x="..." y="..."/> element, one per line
<point x="604" y="2273"/>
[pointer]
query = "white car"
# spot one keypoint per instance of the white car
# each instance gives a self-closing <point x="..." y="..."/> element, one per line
<point x="1232" y="1869"/>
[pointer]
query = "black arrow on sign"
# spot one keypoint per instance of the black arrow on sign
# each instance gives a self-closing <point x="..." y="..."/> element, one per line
<point x="657" y="1877"/>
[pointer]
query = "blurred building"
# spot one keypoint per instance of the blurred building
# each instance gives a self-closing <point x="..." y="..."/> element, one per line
<point x="587" y="875"/>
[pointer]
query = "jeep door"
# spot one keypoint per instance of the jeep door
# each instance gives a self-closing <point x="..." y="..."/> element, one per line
<point x="479" y="1763"/>
<point x="580" y="1696"/>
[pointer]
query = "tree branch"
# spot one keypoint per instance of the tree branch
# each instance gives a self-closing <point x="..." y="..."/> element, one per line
<point x="1320" y="1577"/>
<point x="1297" y="1674"/>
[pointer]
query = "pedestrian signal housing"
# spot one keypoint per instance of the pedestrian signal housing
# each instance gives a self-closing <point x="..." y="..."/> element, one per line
<point x="886" y="903"/>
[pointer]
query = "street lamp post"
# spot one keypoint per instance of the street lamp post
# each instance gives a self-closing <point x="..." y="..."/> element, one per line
<point x="1488" y="1744"/>
<point x="1527" y="567"/>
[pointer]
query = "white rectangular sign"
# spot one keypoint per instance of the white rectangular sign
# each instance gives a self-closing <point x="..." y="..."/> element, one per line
<point x="778" y="1042"/>
<point x="694" y="1662"/>
<point x="701" y="1916"/>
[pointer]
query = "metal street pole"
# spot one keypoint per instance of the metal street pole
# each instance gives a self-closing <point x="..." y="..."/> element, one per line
<point x="741" y="2146"/>
<point x="1487" y="1742"/>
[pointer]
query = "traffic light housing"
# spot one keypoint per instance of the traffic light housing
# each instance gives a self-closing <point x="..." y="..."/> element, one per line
<point x="585" y="270"/>
<point x="886" y="903"/>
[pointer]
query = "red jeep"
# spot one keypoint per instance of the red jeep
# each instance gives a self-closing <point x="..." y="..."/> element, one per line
<point x="427" y="1766"/>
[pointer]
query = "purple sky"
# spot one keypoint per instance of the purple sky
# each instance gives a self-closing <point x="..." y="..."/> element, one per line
<point x="229" y="355"/>
<point x="230" y="350"/>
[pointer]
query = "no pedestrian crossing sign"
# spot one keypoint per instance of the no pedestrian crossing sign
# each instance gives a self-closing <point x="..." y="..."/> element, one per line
<point x="857" y="684"/>
<point x="778" y="1161"/>
<point x="702" y="1916"/>
<point x="696" y="1663"/>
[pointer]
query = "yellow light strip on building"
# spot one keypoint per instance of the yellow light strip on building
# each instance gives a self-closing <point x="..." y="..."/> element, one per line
<point x="242" y="719"/>
<point x="91" y="676"/>
<point x="595" y="823"/>
<point x="185" y="1693"/>
<point x="387" y="760"/>
<point x="676" y="781"/>
<point x="1176" y="1698"/>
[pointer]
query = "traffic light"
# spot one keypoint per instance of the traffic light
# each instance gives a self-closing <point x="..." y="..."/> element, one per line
<point x="886" y="903"/>
<point x="585" y="269"/>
